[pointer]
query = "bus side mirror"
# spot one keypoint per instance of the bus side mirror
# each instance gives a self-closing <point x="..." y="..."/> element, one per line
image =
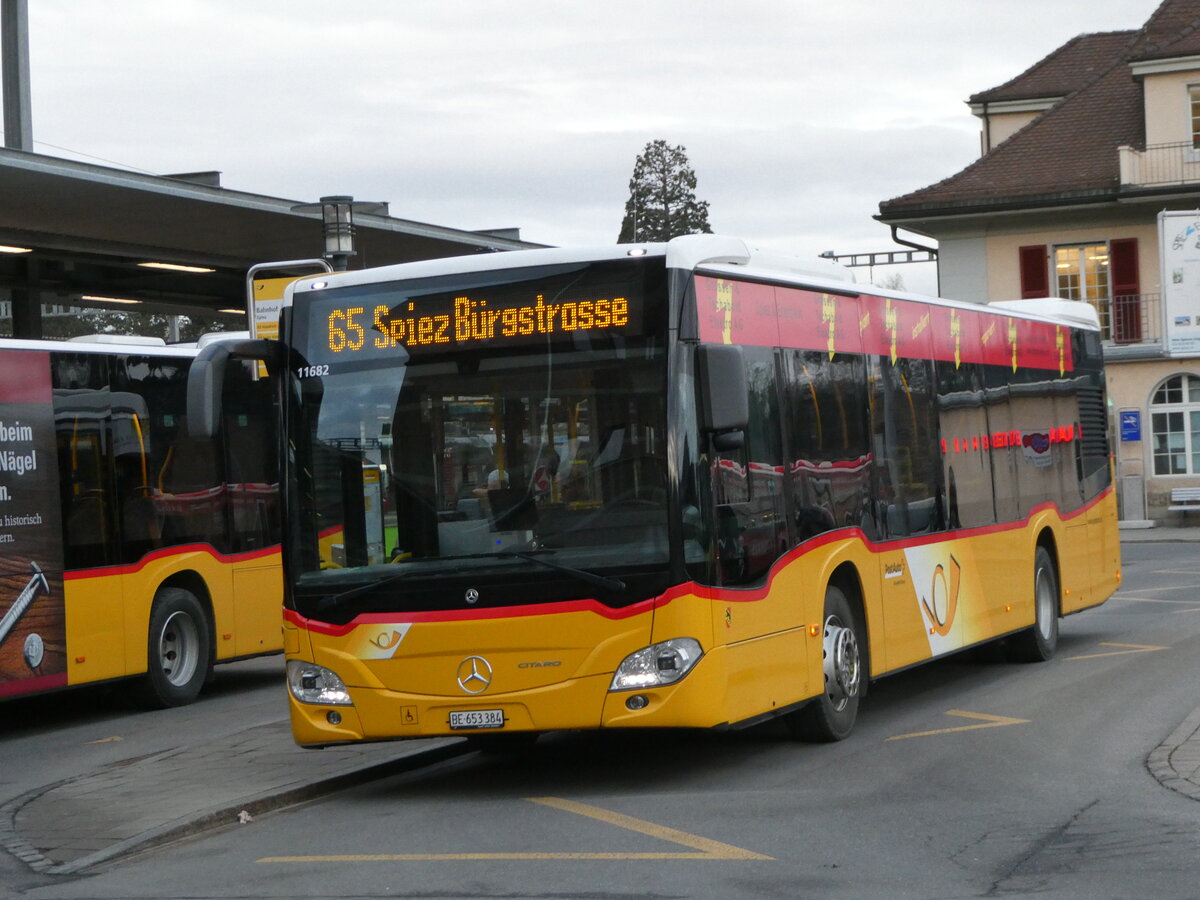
<point x="206" y="379"/>
<point x="724" y="398"/>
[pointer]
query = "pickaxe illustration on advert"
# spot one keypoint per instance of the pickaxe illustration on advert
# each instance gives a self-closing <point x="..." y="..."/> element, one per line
<point x="37" y="585"/>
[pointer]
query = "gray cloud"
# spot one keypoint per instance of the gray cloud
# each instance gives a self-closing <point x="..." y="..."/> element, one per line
<point x="799" y="117"/>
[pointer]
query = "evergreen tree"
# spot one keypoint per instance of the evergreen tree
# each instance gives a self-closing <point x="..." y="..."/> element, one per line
<point x="662" y="200"/>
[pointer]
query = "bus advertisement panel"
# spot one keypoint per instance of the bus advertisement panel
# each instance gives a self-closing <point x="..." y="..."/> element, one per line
<point x="129" y="550"/>
<point x="679" y="485"/>
<point x="33" y="625"/>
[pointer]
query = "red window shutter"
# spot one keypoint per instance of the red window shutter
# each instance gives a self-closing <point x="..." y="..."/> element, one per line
<point x="1126" y="290"/>
<point x="1035" y="274"/>
<point x="1123" y="264"/>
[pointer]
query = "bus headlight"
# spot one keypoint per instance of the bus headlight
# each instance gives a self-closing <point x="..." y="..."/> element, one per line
<point x="656" y="665"/>
<point x="310" y="683"/>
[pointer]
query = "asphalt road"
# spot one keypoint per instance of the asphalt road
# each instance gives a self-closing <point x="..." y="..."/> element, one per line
<point x="971" y="777"/>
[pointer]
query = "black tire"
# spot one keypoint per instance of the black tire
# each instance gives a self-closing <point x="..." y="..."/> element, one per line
<point x="830" y="717"/>
<point x="1039" y="642"/>
<point x="178" y="648"/>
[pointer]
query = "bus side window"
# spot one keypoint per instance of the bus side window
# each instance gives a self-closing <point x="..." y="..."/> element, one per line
<point x="144" y="387"/>
<point x="751" y="526"/>
<point x="82" y="416"/>
<point x="252" y="473"/>
<point x="910" y="494"/>
<point x="964" y="445"/>
<point x="828" y="442"/>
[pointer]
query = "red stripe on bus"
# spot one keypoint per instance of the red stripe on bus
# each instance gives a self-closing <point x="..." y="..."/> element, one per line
<point x="470" y="615"/>
<point x="686" y="589"/>
<point x="167" y="552"/>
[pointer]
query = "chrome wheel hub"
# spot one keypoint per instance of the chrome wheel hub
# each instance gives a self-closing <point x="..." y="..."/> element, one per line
<point x="179" y="649"/>
<point x="1045" y="600"/>
<point x="842" y="664"/>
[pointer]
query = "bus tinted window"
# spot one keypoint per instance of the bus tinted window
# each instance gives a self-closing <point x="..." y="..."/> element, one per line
<point x="966" y="459"/>
<point x="903" y="407"/>
<point x="748" y="483"/>
<point x="829" y="448"/>
<point x="82" y="423"/>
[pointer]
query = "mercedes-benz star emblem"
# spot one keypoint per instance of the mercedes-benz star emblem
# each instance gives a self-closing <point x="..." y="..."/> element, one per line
<point x="472" y="596"/>
<point x="474" y="674"/>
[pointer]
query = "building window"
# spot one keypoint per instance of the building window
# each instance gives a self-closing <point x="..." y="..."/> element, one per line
<point x="1175" y="423"/>
<point x="1081" y="273"/>
<point x="1194" y="101"/>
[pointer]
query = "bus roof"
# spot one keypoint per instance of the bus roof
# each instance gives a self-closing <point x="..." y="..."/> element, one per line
<point x="686" y="252"/>
<point x="716" y="254"/>
<point x="85" y="346"/>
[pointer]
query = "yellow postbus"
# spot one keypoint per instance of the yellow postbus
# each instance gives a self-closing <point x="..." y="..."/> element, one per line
<point x="684" y="485"/>
<point x="128" y="549"/>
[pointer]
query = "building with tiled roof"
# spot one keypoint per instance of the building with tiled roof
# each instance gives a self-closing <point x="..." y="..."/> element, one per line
<point x="1087" y="156"/>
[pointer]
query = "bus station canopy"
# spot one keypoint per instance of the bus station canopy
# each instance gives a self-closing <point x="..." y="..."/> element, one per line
<point x="90" y="229"/>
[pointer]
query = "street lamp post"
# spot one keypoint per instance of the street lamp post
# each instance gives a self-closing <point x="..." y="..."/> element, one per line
<point x="337" y="214"/>
<point x="337" y="220"/>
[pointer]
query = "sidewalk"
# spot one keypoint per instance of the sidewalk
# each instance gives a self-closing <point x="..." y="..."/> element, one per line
<point x="80" y="822"/>
<point x="1139" y="533"/>
<point x="1175" y="762"/>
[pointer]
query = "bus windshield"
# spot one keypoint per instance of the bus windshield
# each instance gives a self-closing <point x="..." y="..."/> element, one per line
<point x="513" y="422"/>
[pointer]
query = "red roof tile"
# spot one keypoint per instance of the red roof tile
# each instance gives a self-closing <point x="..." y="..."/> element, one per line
<point x="1064" y="71"/>
<point x="1173" y="30"/>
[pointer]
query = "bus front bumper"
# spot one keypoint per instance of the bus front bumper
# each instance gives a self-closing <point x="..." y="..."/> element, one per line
<point x="585" y="703"/>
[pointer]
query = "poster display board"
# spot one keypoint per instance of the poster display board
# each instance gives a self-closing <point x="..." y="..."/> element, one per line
<point x="32" y="612"/>
<point x="1179" y="251"/>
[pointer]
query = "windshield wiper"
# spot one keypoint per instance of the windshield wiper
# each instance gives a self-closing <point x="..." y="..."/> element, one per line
<point x="335" y="599"/>
<point x="609" y="584"/>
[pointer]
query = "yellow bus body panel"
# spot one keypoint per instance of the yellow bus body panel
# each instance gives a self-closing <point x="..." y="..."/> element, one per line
<point x="551" y="665"/>
<point x="108" y="610"/>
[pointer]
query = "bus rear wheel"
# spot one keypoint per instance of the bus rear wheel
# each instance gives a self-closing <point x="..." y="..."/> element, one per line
<point x="179" y="650"/>
<point x="830" y="717"/>
<point x="1038" y="643"/>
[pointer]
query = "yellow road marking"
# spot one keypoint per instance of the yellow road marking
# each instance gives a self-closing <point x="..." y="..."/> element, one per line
<point x="710" y="848"/>
<point x="703" y="847"/>
<point x="988" y="722"/>
<point x="460" y="857"/>
<point x="1129" y="648"/>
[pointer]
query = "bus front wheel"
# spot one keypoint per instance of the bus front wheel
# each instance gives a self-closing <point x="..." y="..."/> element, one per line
<point x="830" y="717"/>
<point x="179" y="650"/>
<point x="1038" y="643"/>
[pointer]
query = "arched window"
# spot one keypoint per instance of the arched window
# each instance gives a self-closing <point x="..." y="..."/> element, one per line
<point x="1175" y="424"/>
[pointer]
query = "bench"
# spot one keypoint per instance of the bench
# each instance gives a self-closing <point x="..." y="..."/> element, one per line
<point x="1184" y="499"/>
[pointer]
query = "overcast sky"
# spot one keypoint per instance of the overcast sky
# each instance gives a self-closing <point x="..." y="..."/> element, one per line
<point x="798" y="117"/>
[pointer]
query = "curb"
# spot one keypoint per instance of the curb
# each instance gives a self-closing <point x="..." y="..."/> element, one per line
<point x="1182" y="742"/>
<point x="215" y="817"/>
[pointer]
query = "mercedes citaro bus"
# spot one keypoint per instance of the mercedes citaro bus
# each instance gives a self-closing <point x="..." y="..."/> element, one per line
<point x="666" y="485"/>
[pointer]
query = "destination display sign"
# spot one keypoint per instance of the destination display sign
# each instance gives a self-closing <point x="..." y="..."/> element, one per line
<point x="415" y="324"/>
<point x="387" y="320"/>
